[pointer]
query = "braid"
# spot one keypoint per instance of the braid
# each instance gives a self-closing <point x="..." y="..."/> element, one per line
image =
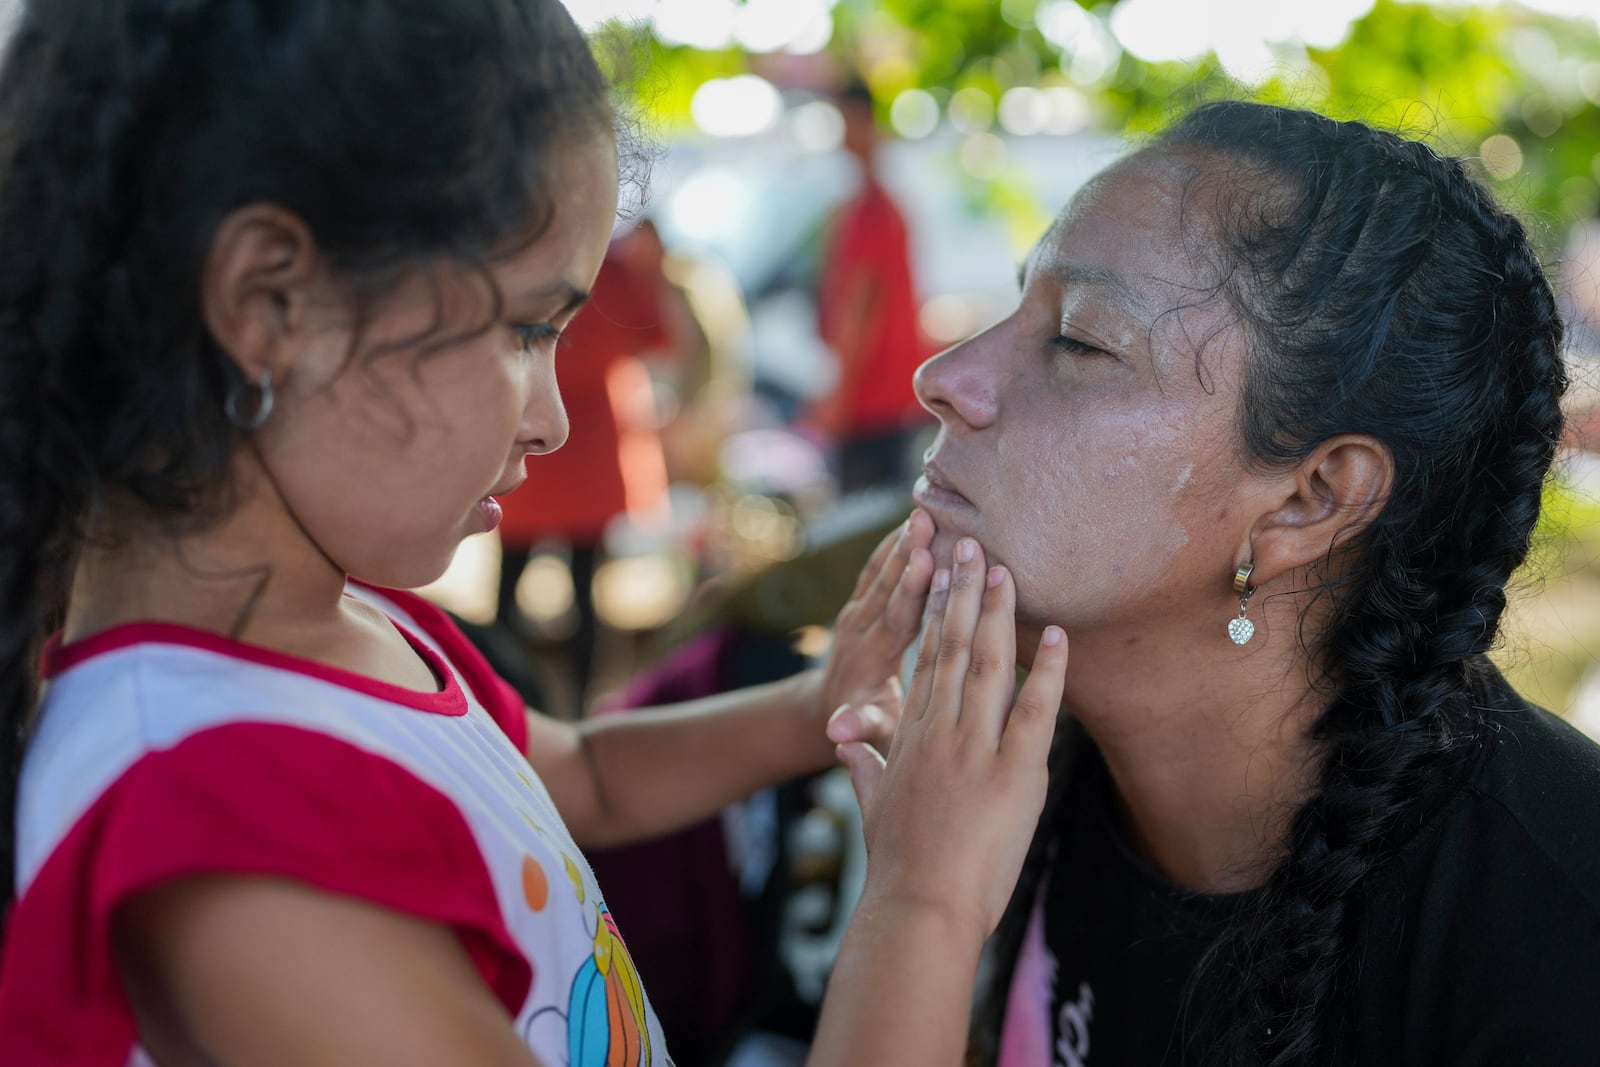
<point x="1385" y="293"/>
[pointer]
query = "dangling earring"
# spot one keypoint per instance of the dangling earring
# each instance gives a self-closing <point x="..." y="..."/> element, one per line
<point x="1242" y="629"/>
<point x="263" y="402"/>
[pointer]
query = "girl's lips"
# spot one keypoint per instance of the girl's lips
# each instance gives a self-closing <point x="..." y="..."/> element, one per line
<point x="490" y="511"/>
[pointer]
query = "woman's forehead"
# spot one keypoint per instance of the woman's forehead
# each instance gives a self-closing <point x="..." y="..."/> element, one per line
<point x="1132" y="230"/>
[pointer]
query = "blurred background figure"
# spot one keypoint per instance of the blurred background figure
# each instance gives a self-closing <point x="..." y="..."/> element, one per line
<point x="612" y="464"/>
<point x="867" y="316"/>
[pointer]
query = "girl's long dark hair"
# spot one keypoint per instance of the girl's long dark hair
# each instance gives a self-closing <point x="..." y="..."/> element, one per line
<point x="405" y="133"/>
<point x="1383" y="292"/>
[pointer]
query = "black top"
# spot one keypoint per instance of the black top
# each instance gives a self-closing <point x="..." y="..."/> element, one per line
<point x="1479" y="943"/>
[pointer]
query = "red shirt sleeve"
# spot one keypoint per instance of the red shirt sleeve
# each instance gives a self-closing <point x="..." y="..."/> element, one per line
<point x="245" y="799"/>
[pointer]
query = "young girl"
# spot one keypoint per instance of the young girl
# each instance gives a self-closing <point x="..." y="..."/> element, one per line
<point x="1268" y="434"/>
<point x="280" y="287"/>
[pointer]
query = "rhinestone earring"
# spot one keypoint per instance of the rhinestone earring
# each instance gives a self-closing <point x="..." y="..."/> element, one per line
<point x="1242" y="629"/>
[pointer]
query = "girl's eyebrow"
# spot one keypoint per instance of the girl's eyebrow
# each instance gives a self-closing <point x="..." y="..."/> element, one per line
<point x="575" y="297"/>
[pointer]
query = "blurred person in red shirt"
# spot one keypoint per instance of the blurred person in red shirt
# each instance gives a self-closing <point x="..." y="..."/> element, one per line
<point x="867" y="315"/>
<point x="612" y="463"/>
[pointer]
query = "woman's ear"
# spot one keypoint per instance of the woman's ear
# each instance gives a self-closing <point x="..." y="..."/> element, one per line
<point x="256" y="284"/>
<point x="1336" y="490"/>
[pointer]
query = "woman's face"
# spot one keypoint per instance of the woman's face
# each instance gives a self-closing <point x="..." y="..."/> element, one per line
<point x="1087" y="440"/>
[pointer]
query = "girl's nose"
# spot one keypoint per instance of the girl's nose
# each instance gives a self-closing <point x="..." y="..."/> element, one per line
<point x="959" y="384"/>
<point x="544" y="424"/>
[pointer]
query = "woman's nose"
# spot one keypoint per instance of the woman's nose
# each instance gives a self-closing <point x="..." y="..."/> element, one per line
<point x="959" y="384"/>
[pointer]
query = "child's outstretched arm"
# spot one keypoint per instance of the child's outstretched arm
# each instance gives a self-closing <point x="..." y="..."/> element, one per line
<point x="625" y="778"/>
<point x="948" y="821"/>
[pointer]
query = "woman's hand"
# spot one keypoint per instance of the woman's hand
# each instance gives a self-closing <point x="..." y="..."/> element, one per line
<point x="861" y="678"/>
<point x="950" y="815"/>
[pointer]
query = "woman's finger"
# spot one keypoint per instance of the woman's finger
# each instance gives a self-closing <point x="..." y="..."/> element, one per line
<point x="992" y="662"/>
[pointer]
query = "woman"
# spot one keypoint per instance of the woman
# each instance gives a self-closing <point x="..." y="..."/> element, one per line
<point x="1267" y="434"/>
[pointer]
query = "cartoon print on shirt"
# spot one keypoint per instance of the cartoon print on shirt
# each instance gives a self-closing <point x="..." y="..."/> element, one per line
<point x="606" y="1019"/>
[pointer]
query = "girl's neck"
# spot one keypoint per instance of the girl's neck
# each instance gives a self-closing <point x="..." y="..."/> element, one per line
<point x="1208" y="749"/>
<point x="251" y="575"/>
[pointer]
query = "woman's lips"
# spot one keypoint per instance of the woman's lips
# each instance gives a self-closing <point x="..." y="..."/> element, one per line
<point x="933" y="490"/>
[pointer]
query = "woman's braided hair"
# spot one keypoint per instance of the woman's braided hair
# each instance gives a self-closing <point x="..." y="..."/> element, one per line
<point x="1383" y="292"/>
<point x="405" y="133"/>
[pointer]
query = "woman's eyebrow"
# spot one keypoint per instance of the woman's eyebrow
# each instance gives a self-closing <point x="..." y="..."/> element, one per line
<point x="1069" y="275"/>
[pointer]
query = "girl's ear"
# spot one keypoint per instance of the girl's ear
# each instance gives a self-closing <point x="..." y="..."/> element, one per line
<point x="1336" y="491"/>
<point x="256" y="286"/>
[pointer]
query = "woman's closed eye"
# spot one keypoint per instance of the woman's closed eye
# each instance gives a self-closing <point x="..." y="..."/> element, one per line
<point x="1076" y="346"/>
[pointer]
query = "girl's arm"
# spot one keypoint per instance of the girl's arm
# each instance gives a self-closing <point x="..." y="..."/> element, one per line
<point x="948" y="822"/>
<point x="255" y="972"/>
<point x="623" y="778"/>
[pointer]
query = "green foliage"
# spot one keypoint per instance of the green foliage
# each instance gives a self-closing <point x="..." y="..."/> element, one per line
<point x="1455" y="75"/>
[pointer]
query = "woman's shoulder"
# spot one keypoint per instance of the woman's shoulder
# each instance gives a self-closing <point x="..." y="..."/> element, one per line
<point x="1538" y="781"/>
<point x="1477" y="939"/>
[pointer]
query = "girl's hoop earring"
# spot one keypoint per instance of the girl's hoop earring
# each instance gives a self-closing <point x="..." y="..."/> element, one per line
<point x="234" y="404"/>
<point x="1242" y="629"/>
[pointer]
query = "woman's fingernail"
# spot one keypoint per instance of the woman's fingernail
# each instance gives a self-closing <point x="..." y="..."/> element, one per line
<point x="941" y="579"/>
<point x="1052" y="636"/>
<point x="965" y="549"/>
<point x="996" y="576"/>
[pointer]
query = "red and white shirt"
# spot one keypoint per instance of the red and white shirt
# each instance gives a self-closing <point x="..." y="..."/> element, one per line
<point x="163" y="752"/>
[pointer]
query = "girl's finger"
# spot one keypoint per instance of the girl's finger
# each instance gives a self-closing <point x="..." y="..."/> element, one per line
<point x="955" y="633"/>
<point x="903" y="612"/>
<point x="866" y="771"/>
<point x="883" y="562"/>
<point x="860" y="722"/>
<point x="1033" y="718"/>
<point x="916" y="703"/>
<point x="992" y="662"/>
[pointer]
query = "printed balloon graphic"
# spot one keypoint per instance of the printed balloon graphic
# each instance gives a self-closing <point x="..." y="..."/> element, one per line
<point x="606" y="1018"/>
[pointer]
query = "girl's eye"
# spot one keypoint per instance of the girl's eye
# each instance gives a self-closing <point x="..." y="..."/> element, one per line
<point x="1075" y="346"/>
<point x="534" y="334"/>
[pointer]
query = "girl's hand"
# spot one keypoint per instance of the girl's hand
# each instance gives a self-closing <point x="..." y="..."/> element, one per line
<point x="950" y="815"/>
<point x="862" y="676"/>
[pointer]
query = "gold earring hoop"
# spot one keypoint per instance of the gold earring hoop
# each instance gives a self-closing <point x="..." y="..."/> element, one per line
<point x="1241" y="629"/>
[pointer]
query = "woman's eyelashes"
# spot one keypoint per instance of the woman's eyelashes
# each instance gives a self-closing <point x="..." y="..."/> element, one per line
<point x="1076" y="346"/>
<point x="536" y="334"/>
